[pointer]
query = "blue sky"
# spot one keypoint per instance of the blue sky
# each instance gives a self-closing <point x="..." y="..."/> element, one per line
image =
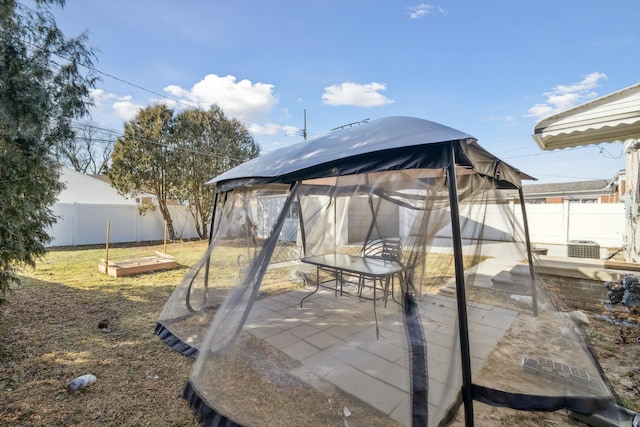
<point x="489" y="68"/>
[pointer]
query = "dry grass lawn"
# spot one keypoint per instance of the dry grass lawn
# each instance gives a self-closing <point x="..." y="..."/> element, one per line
<point x="49" y="334"/>
<point x="67" y="320"/>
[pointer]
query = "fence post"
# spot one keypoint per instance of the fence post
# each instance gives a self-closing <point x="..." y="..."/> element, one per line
<point x="74" y="215"/>
<point x="565" y="219"/>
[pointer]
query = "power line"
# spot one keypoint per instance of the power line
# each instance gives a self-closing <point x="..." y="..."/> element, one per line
<point x="100" y="71"/>
<point x="154" y="142"/>
<point x="539" y="154"/>
<point x="79" y="125"/>
<point x="135" y="85"/>
<point x="524" y="147"/>
<point x="610" y="156"/>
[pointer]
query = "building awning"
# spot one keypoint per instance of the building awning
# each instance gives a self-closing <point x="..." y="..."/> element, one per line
<point x="611" y="118"/>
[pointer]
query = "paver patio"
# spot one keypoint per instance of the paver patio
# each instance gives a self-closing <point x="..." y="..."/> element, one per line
<point x="334" y="339"/>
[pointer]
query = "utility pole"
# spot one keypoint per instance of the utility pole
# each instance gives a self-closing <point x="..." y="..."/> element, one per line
<point x="304" y="131"/>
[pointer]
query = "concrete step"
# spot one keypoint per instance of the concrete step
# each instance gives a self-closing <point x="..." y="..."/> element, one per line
<point x="515" y="280"/>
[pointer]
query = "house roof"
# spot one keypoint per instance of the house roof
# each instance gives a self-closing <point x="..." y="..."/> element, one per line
<point x="103" y="178"/>
<point x="575" y="189"/>
<point x="593" y="186"/>
<point x="390" y="143"/>
<point x="611" y="118"/>
<point x="81" y="188"/>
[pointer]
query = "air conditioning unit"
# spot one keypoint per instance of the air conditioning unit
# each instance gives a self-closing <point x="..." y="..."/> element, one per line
<point x="583" y="249"/>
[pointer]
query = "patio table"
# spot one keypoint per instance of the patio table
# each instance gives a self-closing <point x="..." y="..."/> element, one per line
<point x="375" y="269"/>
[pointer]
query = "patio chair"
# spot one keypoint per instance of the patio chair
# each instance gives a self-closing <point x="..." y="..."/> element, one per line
<point x="388" y="248"/>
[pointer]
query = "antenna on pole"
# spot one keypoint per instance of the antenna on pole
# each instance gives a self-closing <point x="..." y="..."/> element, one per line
<point x="303" y="131"/>
<point x="351" y="124"/>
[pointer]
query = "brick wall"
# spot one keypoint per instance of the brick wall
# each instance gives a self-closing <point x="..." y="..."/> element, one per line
<point x="555" y="199"/>
<point x="579" y="294"/>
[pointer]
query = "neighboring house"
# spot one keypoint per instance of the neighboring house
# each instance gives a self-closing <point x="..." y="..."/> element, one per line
<point x="611" y="118"/>
<point x="140" y="198"/>
<point x="594" y="191"/>
<point x="86" y="189"/>
<point x="89" y="205"/>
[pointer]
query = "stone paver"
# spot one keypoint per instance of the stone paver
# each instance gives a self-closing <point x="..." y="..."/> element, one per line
<point x="304" y="330"/>
<point x="342" y="331"/>
<point x="322" y="363"/>
<point x="282" y="339"/>
<point x="369" y="389"/>
<point x="300" y="350"/>
<point x="334" y="338"/>
<point x="322" y="340"/>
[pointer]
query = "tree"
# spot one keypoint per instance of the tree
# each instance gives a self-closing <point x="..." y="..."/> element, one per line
<point x="89" y="151"/>
<point x="143" y="160"/>
<point x="42" y="89"/>
<point x="207" y="143"/>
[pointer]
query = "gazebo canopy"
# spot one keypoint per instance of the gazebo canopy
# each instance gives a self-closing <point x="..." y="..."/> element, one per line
<point x="391" y="143"/>
<point x="374" y="276"/>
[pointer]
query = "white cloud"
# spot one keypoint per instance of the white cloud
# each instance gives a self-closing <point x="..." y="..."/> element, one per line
<point x="360" y="95"/>
<point x="563" y="97"/>
<point x="170" y="103"/>
<point x="423" y="9"/>
<point x="243" y="100"/>
<point x="126" y="110"/>
<point x="540" y="110"/>
<point x="105" y="103"/>
<point x="272" y="129"/>
<point x="507" y="119"/>
<point x="96" y="96"/>
<point x="285" y="113"/>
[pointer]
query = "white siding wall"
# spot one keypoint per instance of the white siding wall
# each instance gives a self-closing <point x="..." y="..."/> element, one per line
<point x="631" y="200"/>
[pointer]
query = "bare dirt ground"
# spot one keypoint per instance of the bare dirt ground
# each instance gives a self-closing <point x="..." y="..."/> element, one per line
<point x="616" y="348"/>
<point x="619" y="361"/>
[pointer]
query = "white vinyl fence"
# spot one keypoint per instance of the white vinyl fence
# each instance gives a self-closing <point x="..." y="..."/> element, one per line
<point x="556" y="223"/>
<point x="86" y="224"/>
<point x="82" y="224"/>
<point x="603" y="223"/>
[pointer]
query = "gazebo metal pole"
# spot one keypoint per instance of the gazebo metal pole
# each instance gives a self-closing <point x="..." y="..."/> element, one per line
<point x="534" y="296"/>
<point x="461" y="298"/>
<point x="213" y="219"/>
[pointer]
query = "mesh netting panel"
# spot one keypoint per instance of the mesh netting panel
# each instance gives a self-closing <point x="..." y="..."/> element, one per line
<point x="343" y="305"/>
<point x="246" y="219"/>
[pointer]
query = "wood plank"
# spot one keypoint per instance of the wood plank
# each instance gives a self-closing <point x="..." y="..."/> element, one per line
<point x="136" y="266"/>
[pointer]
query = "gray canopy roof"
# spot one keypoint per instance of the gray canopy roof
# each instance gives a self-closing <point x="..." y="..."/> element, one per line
<point x="391" y="143"/>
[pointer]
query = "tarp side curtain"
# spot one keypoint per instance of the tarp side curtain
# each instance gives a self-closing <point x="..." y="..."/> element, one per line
<point x="486" y="164"/>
